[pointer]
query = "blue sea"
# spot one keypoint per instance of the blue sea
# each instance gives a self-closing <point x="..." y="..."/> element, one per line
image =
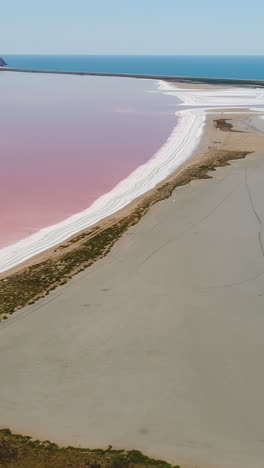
<point x="240" y="67"/>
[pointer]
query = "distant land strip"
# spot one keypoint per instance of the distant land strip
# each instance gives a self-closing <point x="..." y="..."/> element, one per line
<point x="190" y="79"/>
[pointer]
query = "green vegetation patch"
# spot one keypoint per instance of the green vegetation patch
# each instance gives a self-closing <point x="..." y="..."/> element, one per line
<point x="17" y="451"/>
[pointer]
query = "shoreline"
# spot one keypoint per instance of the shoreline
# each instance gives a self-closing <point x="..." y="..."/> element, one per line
<point x="44" y="270"/>
<point x="40" y="275"/>
<point x="178" y="148"/>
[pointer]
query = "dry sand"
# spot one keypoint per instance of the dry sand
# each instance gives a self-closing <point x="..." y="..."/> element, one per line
<point x="158" y="346"/>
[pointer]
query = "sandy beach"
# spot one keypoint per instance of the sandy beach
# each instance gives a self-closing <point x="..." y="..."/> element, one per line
<point x="158" y="346"/>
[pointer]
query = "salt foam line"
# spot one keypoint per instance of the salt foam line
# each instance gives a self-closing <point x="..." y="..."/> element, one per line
<point x="171" y="155"/>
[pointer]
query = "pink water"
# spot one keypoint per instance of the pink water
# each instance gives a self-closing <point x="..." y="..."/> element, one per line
<point x="66" y="140"/>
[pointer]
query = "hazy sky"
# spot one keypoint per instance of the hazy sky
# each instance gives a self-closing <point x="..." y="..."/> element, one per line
<point x="132" y="27"/>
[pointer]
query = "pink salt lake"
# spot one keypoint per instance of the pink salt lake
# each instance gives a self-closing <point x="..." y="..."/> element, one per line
<point x="66" y="140"/>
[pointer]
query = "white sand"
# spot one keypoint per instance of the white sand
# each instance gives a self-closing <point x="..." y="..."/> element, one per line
<point x="179" y="147"/>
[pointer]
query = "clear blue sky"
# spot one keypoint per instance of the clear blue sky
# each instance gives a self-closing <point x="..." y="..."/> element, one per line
<point x="132" y="27"/>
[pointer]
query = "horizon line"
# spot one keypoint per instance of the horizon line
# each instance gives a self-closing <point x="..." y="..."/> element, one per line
<point x="136" y="55"/>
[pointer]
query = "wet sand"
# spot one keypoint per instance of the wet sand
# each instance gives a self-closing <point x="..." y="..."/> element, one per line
<point x="159" y="345"/>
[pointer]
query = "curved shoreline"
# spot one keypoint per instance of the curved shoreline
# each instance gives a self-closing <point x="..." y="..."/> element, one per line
<point x="178" y="148"/>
